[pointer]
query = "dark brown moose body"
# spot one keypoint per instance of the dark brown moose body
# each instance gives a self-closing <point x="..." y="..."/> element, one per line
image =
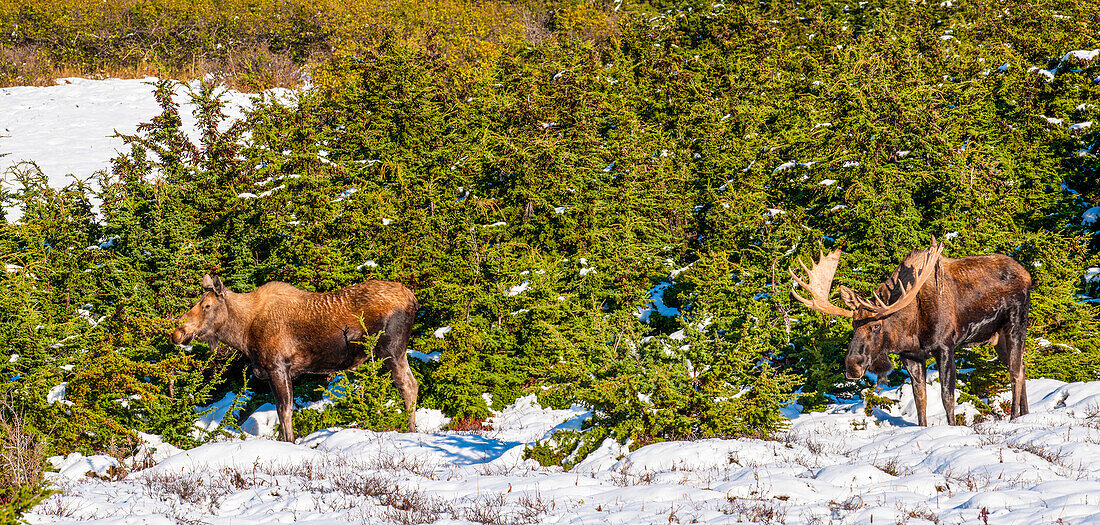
<point x="930" y="306"/>
<point x="287" y="332"/>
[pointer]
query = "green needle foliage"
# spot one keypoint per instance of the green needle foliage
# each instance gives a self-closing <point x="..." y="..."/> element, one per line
<point x="535" y="191"/>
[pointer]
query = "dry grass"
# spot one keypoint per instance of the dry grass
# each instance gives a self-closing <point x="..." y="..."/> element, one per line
<point x="254" y="45"/>
<point x="750" y="510"/>
<point x="893" y="467"/>
<point x="22" y="455"/>
<point x="250" y="68"/>
<point x="337" y="484"/>
<point x="920" y="511"/>
<point x="854" y="502"/>
<point x="495" y="510"/>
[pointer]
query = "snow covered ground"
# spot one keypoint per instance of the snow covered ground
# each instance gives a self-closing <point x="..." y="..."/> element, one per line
<point x="837" y="466"/>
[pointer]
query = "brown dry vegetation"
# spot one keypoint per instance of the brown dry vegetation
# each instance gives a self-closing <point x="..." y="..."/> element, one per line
<point x="255" y="45"/>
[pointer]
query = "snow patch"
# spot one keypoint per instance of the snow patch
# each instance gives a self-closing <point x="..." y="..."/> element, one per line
<point x="1090" y="216"/>
<point x="656" y="304"/>
<point x="57" y="395"/>
<point x="518" y="289"/>
<point x="77" y="466"/>
<point x="425" y="358"/>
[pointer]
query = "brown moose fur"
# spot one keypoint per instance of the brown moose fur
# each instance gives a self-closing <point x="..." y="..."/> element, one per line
<point x="970" y="300"/>
<point x="287" y="332"/>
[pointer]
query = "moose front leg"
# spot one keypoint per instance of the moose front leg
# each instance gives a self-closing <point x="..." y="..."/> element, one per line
<point x="283" y="391"/>
<point x="920" y="394"/>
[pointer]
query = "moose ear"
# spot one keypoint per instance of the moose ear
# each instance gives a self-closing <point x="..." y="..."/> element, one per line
<point x="849" y="297"/>
<point x="212" y="283"/>
<point x="219" y="287"/>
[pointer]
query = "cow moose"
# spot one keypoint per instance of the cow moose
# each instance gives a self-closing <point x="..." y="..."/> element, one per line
<point x="287" y="332"/>
<point x="930" y="306"/>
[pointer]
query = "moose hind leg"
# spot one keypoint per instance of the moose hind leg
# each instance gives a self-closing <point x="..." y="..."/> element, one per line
<point x="394" y="345"/>
<point x="946" y="364"/>
<point x="1010" y="348"/>
<point x="920" y="394"/>
<point x="283" y="391"/>
<point x="406" y="384"/>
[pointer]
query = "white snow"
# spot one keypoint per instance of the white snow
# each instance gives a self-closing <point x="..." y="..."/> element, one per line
<point x="57" y="395"/>
<point x="1081" y="125"/>
<point x="585" y="270"/>
<point x="152" y="450"/>
<point x="434" y="356"/>
<point x="77" y="466"/>
<point x="783" y="167"/>
<point x="1090" y="216"/>
<point x="441" y="332"/>
<point x="656" y="304"/>
<point x="518" y="289"/>
<point x="1081" y="54"/>
<point x="430" y="420"/>
<point x="840" y="466"/>
<point x="788" y="165"/>
<point x="262" y="421"/>
<point x="212" y="420"/>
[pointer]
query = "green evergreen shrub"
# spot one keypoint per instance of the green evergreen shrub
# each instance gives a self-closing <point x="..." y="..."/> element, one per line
<point x="533" y="191"/>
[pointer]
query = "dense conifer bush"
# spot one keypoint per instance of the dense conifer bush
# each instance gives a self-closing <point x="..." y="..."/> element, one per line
<point x="599" y="216"/>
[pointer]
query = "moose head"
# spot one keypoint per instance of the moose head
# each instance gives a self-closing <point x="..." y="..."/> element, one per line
<point x="880" y="326"/>
<point x="203" y="321"/>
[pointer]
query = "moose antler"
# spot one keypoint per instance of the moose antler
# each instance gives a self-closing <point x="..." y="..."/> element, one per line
<point x="821" y="281"/>
<point x="908" y="293"/>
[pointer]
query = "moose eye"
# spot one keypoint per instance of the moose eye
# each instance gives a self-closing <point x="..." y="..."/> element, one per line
<point x="876" y="327"/>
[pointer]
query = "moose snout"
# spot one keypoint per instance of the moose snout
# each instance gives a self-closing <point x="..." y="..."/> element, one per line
<point x="177" y="336"/>
<point x="853" y="368"/>
<point x="180" y="336"/>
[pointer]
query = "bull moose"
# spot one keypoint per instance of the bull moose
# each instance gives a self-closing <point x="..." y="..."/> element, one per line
<point x="930" y="306"/>
<point x="287" y="332"/>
